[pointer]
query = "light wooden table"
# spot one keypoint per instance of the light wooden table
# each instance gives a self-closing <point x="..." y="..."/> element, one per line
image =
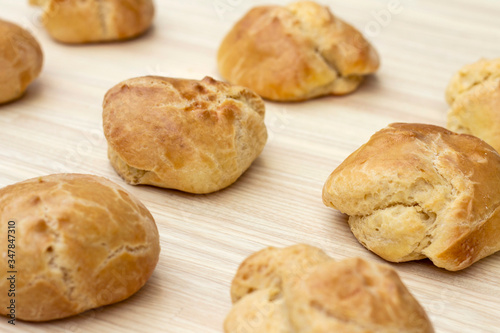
<point x="56" y="127"/>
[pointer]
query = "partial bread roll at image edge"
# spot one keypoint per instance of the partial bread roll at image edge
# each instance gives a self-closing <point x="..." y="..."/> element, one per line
<point x="417" y="191"/>
<point x="301" y="289"/>
<point x="21" y="60"/>
<point x="474" y="98"/>
<point x="81" y="242"/>
<point x="93" y="21"/>
<point x="296" y="52"/>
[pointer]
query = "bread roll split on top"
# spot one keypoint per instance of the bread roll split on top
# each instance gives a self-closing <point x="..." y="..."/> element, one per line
<point x="474" y="98"/>
<point x="189" y="135"/>
<point x="91" y="21"/>
<point x="81" y="242"/>
<point x="415" y="191"/>
<point x="300" y="289"/>
<point x="295" y="52"/>
<point x="21" y="61"/>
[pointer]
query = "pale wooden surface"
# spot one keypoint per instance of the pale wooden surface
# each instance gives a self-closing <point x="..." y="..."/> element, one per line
<point x="56" y="127"/>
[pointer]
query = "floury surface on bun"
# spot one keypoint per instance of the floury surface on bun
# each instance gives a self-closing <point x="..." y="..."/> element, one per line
<point x="189" y="135"/>
<point x="415" y="191"/>
<point x="81" y="242"/>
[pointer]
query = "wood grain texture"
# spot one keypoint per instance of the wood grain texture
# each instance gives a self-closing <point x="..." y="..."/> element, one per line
<point x="57" y="127"/>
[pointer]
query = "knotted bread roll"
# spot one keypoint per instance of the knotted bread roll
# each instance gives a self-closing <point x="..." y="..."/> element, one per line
<point x="415" y="191"/>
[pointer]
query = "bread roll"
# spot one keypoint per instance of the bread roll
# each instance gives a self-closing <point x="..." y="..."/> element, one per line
<point x="300" y="289"/>
<point x="193" y="136"/>
<point x="81" y="242"/>
<point x="21" y="60"/>
<point x="295" y="52"/>
<point x="474" y="98"/>
<point x="90" y="21"/>
<point x="415" y="191"/>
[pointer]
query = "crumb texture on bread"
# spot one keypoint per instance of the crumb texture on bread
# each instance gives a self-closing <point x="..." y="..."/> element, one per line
<point x="295" y="52"/>
<point x="81" y="242"/>
<point x="300" y="289"/>
<point x="90" y="21"/>
<point x="21" y="60"/>
<point x="415" y="191"/>
<point x="474" y="98"/>
<point x="193" y="136"/>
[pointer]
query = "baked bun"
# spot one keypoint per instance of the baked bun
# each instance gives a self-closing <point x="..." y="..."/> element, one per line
<point x="90" y="21"/>
<point x="21" y="60"/>
<point x="415" y="191"/>
<point x="81" y="242"/>
<point x="296" y="52"/>
<point x="301" y="289"/>
<point x="474" y="98"/>
<point x="193" y="136"/>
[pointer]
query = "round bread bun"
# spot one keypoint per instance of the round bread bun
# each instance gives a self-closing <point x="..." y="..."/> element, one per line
<point x="474" y="98"/>
<point x="301" y="289"/>
<point x="193" y="136"/>
<point x="295" y="53"/>
<point x="91" y="21"/>
<point x="21" y="60"/>
<point x="415" y="191"/>
<point x="81" y="242"/>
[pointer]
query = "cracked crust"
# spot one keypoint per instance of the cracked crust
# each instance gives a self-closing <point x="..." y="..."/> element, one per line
<point x="415" y="191"/>
<point x="81" y="242"/>
<point x="21" y="61"/>
<point x="474" y="98"/>
<point x="300" y="289"/>
<point x="296" y="52"/>
<point x="193" y="136"/>
<point x="90" y="21"/>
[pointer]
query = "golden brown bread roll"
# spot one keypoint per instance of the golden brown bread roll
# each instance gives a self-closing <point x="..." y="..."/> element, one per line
<point x="474" y="98"/>
<point x="81" y="242"/>
<point x="415" y="191"/>
<point x="300" y="289"/>
<point x="21" y="60"/>
<point x="295" y="52"/>
<point x="193" y="136"/>
<point x="89" y="21"/>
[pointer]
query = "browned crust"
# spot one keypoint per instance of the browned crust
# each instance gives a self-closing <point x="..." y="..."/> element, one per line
<point x="295" y="52"/>
<point x="194" y="136"/>
<point x="415" y="191"/>
<point x="21" y="61"/>
<point x="301" y="289"/>
<point x="81" y="242"/>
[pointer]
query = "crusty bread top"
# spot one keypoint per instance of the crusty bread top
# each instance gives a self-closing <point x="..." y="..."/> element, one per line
<point x="195" y="136"/>
<point x="301" y="289"/>
<point x="81" y="242"/>
<point x="87" y="21"/>
<point x="295" y="52"/>
<point x="445" y="185"/>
